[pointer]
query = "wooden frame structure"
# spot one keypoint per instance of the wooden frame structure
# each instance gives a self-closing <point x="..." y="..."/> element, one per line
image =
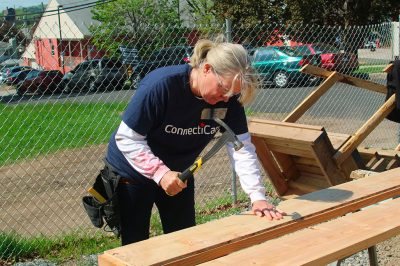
<point x="300" y="158"/>
<point x="238" y="235"/>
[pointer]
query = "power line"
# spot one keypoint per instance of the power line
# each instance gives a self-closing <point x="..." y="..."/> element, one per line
<point x="74" y="8"/>
<point x="66" y="9"/>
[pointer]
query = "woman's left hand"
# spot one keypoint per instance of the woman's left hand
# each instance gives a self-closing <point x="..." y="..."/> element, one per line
<point x="262" y="208"/>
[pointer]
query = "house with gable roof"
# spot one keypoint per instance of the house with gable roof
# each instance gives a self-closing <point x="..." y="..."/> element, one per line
<point x="62" y="38"/>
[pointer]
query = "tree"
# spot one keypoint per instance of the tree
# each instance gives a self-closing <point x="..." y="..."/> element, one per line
<point x="342" y="12"/>
<point x="142" y="24"/>
<point x="346" y="16"/>
<point x="9" y="30"/>
<point x="203" y="12"/>
<point x="252" y="12"/>
<point x="292" y="15"/>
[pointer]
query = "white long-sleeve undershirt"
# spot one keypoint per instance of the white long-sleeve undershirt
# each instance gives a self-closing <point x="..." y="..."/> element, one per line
<point x="246" y="166"/>
<point x="137" y="152"/>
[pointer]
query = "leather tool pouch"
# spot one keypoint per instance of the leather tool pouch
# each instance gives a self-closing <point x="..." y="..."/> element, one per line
<point x="105" y="212"/>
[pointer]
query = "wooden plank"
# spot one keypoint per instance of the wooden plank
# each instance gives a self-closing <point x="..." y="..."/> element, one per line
<point x="324" y="152"/>
<point x="344" y="152"/>
<point x="303" y="187"/>
<point x="362" y="83"/>
<point x="308" y="183"/>
<point x="354" y="162"/>
<point x="270" y="166"/>
<point x="291" y="193"/>
<point x="288" y="144"/>
<point x="312" y="98"/>
<point x="313" y="179"/>
<point x="347" y="235"/>
<point x="372" y="160"/>
<point x="312" y="169"/>
<point x="287" y="165"/>
<point x="218" y="238"/>
<point x="393" y="163"/>
<point x="338" y="139"/>
<point x="305" y="161"/>
<point x="285" y="124"/>
<point x="370" y="152"/>
<point x="379" y="166"/>
<point x="388" y="68"/>
<point x="285" y="149"/>
<point x="295" y="135"/>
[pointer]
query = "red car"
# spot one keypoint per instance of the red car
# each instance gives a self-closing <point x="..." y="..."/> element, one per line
<point x="40" y="82"/>
<point x="332" y="58"/>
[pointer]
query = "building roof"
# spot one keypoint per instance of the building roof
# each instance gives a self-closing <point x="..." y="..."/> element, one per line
<point x="29" y="51"/>
<point x="74" y="22"/>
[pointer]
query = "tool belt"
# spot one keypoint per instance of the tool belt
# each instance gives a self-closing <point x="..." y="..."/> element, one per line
<point x="102" y="207"/>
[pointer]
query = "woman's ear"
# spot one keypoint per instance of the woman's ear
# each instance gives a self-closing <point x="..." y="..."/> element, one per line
<point x="207" y="68"/>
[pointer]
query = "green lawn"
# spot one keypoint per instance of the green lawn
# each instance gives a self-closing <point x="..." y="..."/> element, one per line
<point x="370" y="69"/>
<point x="29" y="130"/>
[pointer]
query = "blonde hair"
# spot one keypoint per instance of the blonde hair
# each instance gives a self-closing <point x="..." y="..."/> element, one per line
<point x="228" y="59"/>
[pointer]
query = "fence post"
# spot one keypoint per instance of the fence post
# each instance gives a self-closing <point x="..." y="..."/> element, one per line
<point x="228" y="32"/>
<point x="228" y="36"/>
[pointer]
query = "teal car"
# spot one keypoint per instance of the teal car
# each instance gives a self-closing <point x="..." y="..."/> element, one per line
<point x="280" y="65"/>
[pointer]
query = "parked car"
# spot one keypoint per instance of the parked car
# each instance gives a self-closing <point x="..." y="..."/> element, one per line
<point x="332" y="58"/>
<point x="371" y="45"/>
<point x="174" y="55"/>
<point x="17" y="77"/>
<point x="40" y="82"/>
<point x="281" y="64"/>
<point x="95" y="75"/>
<point x="8" y="71"/>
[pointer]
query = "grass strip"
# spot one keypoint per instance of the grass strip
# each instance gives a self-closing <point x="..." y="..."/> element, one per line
<point x="74" y="246"/>
<point x="29" y="130"/>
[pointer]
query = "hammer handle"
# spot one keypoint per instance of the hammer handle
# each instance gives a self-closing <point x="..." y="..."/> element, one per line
<point x="191" y="170"/>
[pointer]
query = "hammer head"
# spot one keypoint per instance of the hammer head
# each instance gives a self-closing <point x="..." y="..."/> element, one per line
<point x="217" y="115"/>
<point x="237" y="144"/>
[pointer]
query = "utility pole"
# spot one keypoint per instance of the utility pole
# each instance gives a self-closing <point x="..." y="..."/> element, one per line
<point x="60" y="48"/>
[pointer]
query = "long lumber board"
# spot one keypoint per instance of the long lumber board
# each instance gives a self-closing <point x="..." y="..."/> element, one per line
<point x="221" y="237"/>
<point x="326" y="242"/>
<point x="362" y="83"/>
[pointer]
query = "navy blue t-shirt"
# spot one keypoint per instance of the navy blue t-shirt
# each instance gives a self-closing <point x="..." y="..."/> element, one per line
<point x="165" y="110"/>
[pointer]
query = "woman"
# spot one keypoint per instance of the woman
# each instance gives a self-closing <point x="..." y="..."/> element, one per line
<point x="162" y="133"/>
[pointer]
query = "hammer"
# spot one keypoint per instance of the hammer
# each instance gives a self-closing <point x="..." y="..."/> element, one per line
<point x="227" y="136"/>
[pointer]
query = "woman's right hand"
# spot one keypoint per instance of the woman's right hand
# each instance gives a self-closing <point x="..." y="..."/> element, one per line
<point x="171" y="183"/>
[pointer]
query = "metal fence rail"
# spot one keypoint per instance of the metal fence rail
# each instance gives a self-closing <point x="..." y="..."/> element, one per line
<point x="55" y="126"/>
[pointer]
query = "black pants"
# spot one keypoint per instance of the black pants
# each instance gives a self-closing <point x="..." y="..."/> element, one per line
<point x="136" y="202"/>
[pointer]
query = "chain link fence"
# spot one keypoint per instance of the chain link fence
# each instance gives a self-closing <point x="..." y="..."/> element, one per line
<point x="60" y="106"/>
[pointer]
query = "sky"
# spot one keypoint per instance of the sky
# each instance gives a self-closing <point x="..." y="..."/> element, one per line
<point x="20" y="3"/>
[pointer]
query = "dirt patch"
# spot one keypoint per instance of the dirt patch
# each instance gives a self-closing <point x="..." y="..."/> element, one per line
<point x="43" y="196"/>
